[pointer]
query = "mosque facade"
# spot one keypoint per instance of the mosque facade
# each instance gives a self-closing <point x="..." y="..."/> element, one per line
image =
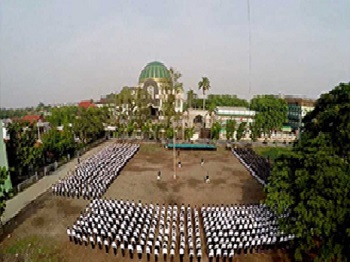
<point x="155" y="78"/>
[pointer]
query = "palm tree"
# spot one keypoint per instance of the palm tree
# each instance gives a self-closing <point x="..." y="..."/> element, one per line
<point x="204" y="84"/>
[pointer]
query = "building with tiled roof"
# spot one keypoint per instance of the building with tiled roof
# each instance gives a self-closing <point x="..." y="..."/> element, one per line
<point x="86" y="104"/>
<point x="33" y="118"/>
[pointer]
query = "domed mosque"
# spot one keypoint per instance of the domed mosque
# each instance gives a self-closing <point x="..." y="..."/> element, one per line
<point x="156" y="79"/>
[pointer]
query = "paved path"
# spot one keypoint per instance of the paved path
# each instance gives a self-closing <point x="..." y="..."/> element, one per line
<point x="22" y="199"/>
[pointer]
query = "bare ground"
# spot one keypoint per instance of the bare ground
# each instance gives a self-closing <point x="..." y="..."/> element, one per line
<point x="42" y="234"/>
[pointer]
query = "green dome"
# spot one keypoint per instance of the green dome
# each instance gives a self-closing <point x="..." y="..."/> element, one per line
<point x="155" y="70"/>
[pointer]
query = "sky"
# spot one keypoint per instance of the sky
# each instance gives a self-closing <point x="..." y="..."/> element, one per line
<point x="66" y="51"/>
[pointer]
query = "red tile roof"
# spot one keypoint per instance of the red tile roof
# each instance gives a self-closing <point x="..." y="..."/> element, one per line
<point x="86" y="104"/>
<point x="32" y="118"/>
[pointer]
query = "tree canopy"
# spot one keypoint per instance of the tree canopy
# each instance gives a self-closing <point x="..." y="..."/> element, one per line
<point x="271" y="113"/>
<point x="204" y="85"/>
<point x="312" y="182"/>
<point x="230" y="128"/>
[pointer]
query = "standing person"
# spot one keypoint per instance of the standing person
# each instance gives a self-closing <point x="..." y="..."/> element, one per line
<point x="179" y="164"/>
<point x="105" y="242"/>
<point x="131" y="251"/>
<point x="99" y="242"/>
<point x="122" y="248"/>
<point x="172" y="254"/>
<point x="202" y="162"/>
<point x="139" y="251"/>
<point x="69" y="234"/>
<point x="114" y="246"/>
<point x="165" y="252"/>
<point x="85" y="240"/>
<point x="191" y="255"/>
<point x="199" y="255"/>
<point x="158" y="176"/>
<point x="92" y="242"/>
<point x="182" y="252"/>
<point x="148" y="252"/>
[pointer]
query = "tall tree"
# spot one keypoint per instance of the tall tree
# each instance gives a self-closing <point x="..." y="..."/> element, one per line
<point x="230" y="128"/>
<point x="226" y="100"/>
<point x="61" y="116"/>
<point x="240" y="130"/>
<point x="311" y="183"/>
<point x="4" y="194"/>
<point x="271" y="110"/>
<point x="175" y="77"/>
<point x="23" y="155"/>
<point x="204" y="85"/>
<point x="190" y="98"/>
<point x="215" y="130"/>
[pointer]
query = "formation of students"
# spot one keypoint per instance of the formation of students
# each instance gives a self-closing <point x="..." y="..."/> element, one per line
<point x="258" y="166"/>
<point x="131" y="228"/>
<point x="240" y="229"/>
<point x="93" y="176"/>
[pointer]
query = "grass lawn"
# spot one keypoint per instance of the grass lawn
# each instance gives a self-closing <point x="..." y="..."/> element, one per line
<point x="271" y="152"/>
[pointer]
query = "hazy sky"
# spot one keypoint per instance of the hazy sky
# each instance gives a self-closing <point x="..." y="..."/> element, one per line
<point x="67" y="51"/>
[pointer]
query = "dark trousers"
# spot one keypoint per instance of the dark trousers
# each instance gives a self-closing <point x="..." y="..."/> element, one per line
<point x="131" y="253"/>
<point x="107" y="248"/>
<point x="92" y="245"/>
<point x="181" y="258"/>
<point x="115" y="251"/>
<point x="139" y="255"/>
<point x="123" y="252"/>
<point x="148" y="257"/>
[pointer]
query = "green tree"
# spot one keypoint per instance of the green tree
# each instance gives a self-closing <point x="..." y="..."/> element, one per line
<point x="175" y="77"/>
<point x="240" y="130"/>
<point x="311" y="182"/>
<point x="190" y="98"/>
<point x="272" y="112"/>
<point x="62" y="115"/>
<point x="230" y="128"/>
<point x="204" y="85"/>
<point x="215" y="130"/>
<point x="4" y="194"/>
<point x="57" y="144"/>
<point x="90" y="123"/>
<point x="227" y="100"/>
<point x="22" y="152"/>
<point x="189" y="132"/>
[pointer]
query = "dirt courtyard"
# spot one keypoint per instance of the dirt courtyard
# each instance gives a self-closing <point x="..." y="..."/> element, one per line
<point x="41" y="233"/>
<point x="230" y="182"/>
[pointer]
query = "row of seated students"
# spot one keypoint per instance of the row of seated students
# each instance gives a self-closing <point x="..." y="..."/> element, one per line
<point x="93" y="176"/>
<point x="258" y="166"/>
